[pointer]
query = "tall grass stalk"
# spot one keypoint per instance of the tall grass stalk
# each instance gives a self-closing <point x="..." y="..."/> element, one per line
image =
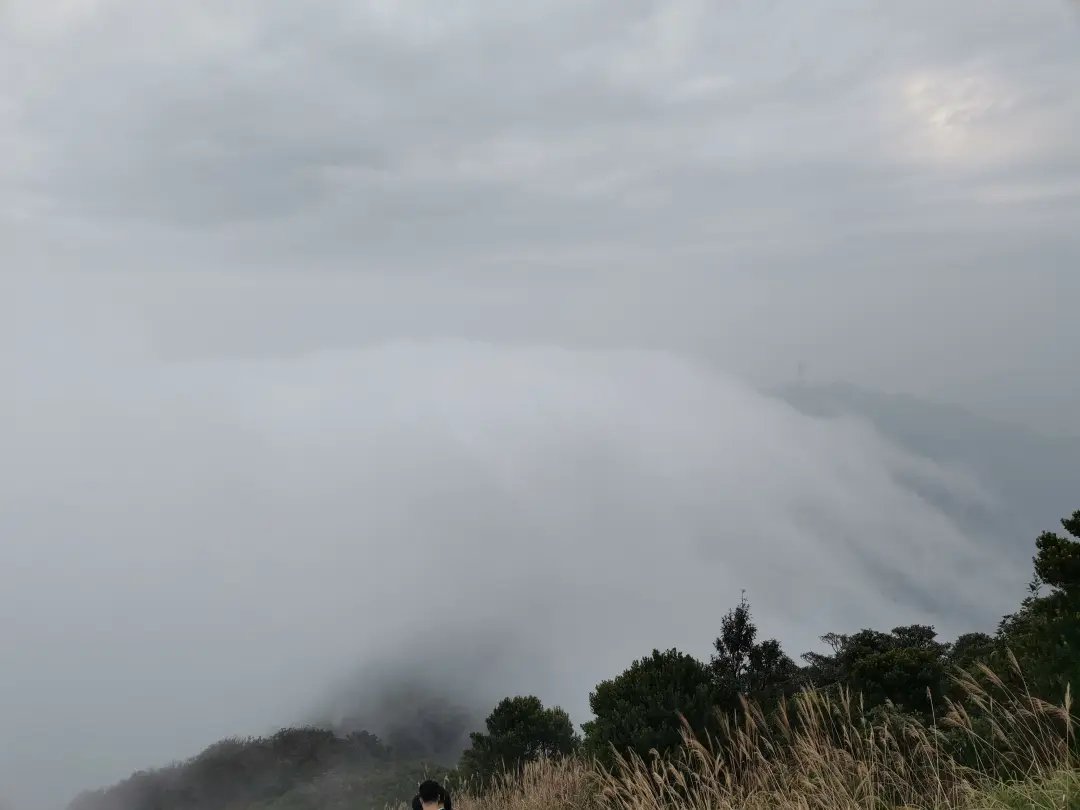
<point x="997" y="747"/>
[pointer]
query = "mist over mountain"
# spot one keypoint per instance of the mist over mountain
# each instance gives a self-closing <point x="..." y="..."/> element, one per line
<point x="423" y="697"/>
<point x="1030" y="478"/>
<point x="363" y="363"/>
<point x="422" y="693"/>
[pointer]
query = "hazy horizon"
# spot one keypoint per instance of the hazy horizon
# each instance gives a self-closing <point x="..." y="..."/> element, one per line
<point x="332" y="332"/>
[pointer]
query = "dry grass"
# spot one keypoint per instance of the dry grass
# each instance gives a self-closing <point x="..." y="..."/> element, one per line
<point x="824" y="753"/>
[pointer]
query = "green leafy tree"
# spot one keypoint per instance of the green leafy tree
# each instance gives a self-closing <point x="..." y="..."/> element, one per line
<point x="519" y="730"/>
<point x="906" y="667"/>
<point x="741" y="665"/>
<point x="909" y="677"/>
<point x="772" y="673"/>
<point x="733" y="647"/>
<point x="971" y="649"/>
<point x="1045" y="633"/>
<point x="1057" y="563"/>
<point x="642" y="709"/>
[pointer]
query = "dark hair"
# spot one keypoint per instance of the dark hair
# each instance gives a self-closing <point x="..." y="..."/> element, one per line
<point x="431" y="791"/>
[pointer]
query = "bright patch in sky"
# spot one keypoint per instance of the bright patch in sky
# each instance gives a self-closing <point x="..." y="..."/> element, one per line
<point x="962" y="118"/>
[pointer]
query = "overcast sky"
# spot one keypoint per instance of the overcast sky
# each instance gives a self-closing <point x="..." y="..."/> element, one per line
<point x="326" y="324"/>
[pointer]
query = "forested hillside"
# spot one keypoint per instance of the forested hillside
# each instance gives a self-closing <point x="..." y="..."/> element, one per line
<point x="299" y="767"/>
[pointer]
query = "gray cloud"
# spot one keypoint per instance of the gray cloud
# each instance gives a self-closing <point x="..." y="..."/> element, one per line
<point x="619" y="154"/>
<point x="206" y="548"/>
<point x="304" y="308"/>
<point x="199" y="117"/>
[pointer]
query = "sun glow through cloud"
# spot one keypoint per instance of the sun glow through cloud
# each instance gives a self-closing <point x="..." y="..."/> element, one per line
<point x="964" y="119"/>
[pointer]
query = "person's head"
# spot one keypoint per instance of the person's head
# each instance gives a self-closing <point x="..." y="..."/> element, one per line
<point x="431" y="794"/>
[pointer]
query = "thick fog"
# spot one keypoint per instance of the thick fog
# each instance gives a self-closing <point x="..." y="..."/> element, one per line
<point x="354" y="344"/>
<point x="206" y="548"/>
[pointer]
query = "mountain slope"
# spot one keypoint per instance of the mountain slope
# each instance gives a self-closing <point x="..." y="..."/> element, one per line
<point x="295" y="768"/>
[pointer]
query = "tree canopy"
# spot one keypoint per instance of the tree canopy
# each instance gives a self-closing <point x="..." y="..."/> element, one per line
<point x="519" y="730"/>
<point x="644" y="708"/>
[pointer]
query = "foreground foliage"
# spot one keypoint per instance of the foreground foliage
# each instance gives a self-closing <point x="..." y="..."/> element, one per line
<point x="825" y="752"/>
